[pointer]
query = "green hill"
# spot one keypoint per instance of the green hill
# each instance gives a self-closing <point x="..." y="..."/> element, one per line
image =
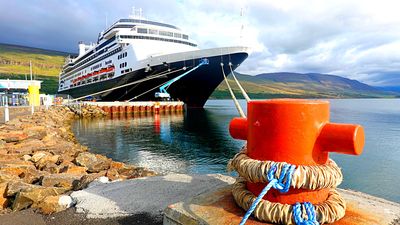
<point x="296" y="85"/>
<point x="46" y="65"/>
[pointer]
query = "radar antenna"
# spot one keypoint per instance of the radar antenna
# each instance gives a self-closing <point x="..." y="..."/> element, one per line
<point x="136" y="13"/>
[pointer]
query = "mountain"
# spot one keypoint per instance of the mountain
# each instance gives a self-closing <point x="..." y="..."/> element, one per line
<point x="297" y="85"/>
<point x="46" y="64"/>
<point x="390" y="88"/>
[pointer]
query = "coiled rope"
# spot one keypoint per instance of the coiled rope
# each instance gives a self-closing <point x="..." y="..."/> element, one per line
<point x="282" y="176"/>
<point x="282" y="184"/>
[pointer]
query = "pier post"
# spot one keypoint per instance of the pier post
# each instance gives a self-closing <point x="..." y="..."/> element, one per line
<point x="6" y="113"/>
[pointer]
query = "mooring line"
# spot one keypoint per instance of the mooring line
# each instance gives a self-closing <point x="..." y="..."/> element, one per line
<point x="238" y="107"/>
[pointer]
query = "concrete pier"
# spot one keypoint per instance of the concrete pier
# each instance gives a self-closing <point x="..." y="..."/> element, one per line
<point x="219" y="207"/>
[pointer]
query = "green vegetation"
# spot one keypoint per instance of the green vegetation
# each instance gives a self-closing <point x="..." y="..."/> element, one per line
<point x="293" y="85"/>
<point x="46" y="65"/>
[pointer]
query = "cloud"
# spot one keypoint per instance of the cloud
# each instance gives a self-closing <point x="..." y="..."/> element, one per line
<point x="355" y="39"/>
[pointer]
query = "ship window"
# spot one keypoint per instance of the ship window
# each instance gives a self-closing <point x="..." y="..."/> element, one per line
<point x="184" y="36"/>
<point x="177" y="35"/>
<point x="166" y="33"/>
<point x="151" y="31"/>
<point x="142" y="30"/>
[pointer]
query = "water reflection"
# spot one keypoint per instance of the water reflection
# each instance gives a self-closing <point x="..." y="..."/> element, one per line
<point x="193" y="142"/>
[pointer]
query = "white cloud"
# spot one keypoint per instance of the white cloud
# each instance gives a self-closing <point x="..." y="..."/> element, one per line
<point x="353" y="38"/>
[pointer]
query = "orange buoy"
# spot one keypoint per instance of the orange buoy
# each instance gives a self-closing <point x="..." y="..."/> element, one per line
<point x="297" y="132"/>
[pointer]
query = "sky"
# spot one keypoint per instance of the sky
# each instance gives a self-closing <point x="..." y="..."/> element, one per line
<point x="351" y="38"/>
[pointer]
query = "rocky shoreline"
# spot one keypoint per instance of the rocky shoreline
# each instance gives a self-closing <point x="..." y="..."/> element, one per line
<point x="41" y="162"/>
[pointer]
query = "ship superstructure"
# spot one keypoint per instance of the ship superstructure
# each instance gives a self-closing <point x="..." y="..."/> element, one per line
<point x="145" y="54"/>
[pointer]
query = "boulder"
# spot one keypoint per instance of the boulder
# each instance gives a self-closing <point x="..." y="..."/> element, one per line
<point x="13" y="136"/>
<point x="26" y="157"/>
<point x="49" y="205"/>
<point x="26" y="147"/>
<point x="32" y="175"/>
<point x="113" y="174"/>
<point x="34" y="195"/>
<point x="118" y="165"/>
<point x="5" y="177"/>
<point x="17" y="168"/>
<point x="16" y="186"/>
<point x="93" y="162"/>
<point x="72" y="169"/>
<point x="87" y="179"/>
<point x="39" y="155"/>
<point x="4" y="201"/>
<point x="50" y="168"/>
<point x="135" y="172"/>
<point x="60" y="180"/>
<point x="47" y="160"/>
<point x="36" y="132"/>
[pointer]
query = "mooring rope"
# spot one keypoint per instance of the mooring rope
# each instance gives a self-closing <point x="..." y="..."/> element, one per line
<point x="282" y="184"/>
<point x="238" y="84"/>
<point x="282" y="176"/>
<point x="305" y="177"/>
<point x="238" y="107"/>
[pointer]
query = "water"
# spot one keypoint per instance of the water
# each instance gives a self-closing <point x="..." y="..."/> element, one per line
<point x="198" y="142"/>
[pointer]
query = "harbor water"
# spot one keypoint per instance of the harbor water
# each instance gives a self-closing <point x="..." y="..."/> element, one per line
<point x="198" y="141"/>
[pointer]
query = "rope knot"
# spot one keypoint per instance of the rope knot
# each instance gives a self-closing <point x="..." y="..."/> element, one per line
<point x="285" y="178"/>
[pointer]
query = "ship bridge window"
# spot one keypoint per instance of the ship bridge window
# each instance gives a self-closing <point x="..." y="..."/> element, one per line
<point x="142" y="30"/>
<point x="184" y="36"/>
<point x="177" y="35"/>
<point x="166" y="33"/>
<point x="151" y="31"/>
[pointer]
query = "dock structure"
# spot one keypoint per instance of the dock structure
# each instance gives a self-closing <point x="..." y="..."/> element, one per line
<point x="139" y="107"/>
<point x="218" y="208"/>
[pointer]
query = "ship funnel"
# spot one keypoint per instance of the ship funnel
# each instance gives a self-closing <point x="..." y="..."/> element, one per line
<point x="81" y="48"/>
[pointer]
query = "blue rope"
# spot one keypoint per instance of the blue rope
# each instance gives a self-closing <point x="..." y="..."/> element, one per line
<point x="282" y="184"/>
<point x="311" y="215"/>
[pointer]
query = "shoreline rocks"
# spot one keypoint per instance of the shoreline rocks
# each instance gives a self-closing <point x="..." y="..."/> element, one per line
<point x="40" y="160"/>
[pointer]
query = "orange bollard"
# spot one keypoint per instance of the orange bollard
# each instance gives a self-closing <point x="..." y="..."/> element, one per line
<point x="297" y="132"/>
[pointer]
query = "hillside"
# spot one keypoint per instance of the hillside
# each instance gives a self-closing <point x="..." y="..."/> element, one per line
<point x="46" y="64"/>
<point x="296" y="85"/>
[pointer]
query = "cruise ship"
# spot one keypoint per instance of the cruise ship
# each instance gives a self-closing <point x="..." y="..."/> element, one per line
<point x="135" y="57"/>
